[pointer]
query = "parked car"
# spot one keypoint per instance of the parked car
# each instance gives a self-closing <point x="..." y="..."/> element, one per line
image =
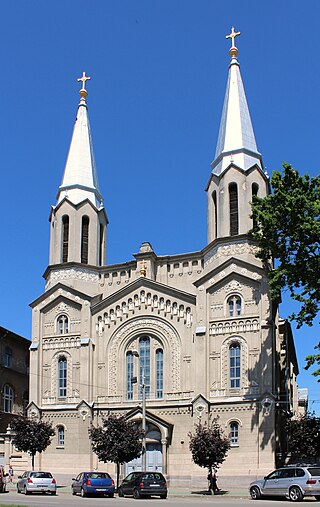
<point x="3" y="481"/>
<point x="293" y="482"/>
<point x="36" y="481"/>
<point x="144" y="484"/>
<point x="93" y="483"/>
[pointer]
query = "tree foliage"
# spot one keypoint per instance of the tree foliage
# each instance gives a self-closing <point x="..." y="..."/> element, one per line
<point x="117" y="440"/>
<point x="31" y="435"/>
<point x="208" y="445"/>
<point x="287" y="230"/>
<point x="304" y="438"/>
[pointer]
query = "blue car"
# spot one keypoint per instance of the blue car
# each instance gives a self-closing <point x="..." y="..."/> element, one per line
<point x="93" y="483"/>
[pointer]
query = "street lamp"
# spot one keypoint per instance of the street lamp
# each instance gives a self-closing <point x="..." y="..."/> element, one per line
<point x="143" y="388"/>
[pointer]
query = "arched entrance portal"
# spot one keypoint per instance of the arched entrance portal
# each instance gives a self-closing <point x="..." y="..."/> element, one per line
<point x="153" y="452"/>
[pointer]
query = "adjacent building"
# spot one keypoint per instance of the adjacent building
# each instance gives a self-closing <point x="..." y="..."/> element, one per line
<point x="197" y="329"/>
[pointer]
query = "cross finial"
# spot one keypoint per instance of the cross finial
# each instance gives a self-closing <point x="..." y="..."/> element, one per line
<point x="83" y="92"/>
<point x="233" y="50"/>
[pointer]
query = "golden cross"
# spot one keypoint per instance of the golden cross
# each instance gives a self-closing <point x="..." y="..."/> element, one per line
<point x="232" y="36"/>
<point x="84" y="78"/>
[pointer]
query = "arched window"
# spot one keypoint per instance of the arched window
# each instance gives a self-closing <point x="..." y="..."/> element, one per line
<point x="159" y="373"/>
<point x="65" y="238"/>
<point x="254" y="190"/>
<point x="62" y="377"/>
<point x="101" y="245"/>
<point x="8" y="396"/>
<point x="234" y="434"/>
<point x="145" y="367"/>
<point x="234" y="352"/>
<point x="215" y="217"/>
<point x="144" y="352"/>
<point x="234" y="306"/>
<point x="85" y="240"/>
<point x="60" y="434"/>
<point x="129" y="370"/>
<point x="63" y="324"/>
<point x="234" y="213"/>
<point x="8" y="357"/>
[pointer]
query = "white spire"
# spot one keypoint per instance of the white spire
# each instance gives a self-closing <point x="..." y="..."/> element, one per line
<point x="236" y="141"/>
<point x="80" y="180"/>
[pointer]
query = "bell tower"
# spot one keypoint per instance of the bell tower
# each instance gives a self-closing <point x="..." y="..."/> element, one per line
<point x="237" y="170"/>
<point x="78" y="221"/>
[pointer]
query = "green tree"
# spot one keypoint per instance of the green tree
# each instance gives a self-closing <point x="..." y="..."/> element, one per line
<point x="287" y="231"/>
<point x="208" y="445"/>
<point x="304" y="438"/>
<point x="31" y="435"/>
<point x="117" y="440"/>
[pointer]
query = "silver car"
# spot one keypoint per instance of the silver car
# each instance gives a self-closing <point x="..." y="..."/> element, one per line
<point x="293" y="482"/>
<point x="33" y="481"/>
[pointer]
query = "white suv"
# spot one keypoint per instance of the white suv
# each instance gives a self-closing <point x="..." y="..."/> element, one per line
<point x="293" y="482"/>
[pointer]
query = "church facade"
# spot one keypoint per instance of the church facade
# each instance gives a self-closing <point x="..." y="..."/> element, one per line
<point x="197" y="330"/>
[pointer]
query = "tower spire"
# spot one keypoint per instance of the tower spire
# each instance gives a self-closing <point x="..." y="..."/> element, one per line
<point x="236" y="141"/>
<point x="80" y="180"/>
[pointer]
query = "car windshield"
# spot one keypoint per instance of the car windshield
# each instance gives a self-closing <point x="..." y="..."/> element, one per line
<point x="314" y="471"/>
<point x="98" y="475"/>
<point x="41" y="475"/>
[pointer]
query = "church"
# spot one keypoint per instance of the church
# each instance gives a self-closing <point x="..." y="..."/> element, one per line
<point x="196" y="333"/>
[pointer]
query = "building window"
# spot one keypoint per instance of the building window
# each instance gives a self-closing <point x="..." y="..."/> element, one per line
<point x="215" y="217"/>
<point x="8" y="357"/>
<point x="85" y="240"/>
<point x="254" y="189"/>
<point x="65" y="238"/>
<point x="129" y="369"/>
<point x="101" y="245"/>
<point x="234" y="434"/>
<point x="234" y="306"/>
<point x="62" y="377"/>
<point x="144" y="353"/>
<point x="8" y="396"/>
<point x="234" y="351"/>
<point x="159" y="373"/>
<point x="63" y="324"/>
<point x="61" y="435"/>
<point x="234" y="214"/>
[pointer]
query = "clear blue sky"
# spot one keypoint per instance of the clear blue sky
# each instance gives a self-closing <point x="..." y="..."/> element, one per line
<point x="159" y="70"/>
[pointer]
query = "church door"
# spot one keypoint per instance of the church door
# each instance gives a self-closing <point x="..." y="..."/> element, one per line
<point x="153" y="460"/>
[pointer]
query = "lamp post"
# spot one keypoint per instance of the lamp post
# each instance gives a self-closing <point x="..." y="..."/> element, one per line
<point x="143" y="388"/>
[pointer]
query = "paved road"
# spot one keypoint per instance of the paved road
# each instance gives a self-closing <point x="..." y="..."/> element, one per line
<point x="65" y="499"/>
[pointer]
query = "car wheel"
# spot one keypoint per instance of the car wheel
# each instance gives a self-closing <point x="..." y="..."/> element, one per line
<point x="110" y="495"/>
<point x="255" y="493"/>
<point x="120" y="493"/>
<point x="18" y="490"/>
<point x="164" y="495"/>
<point x="136" y="494"/>
<point x="317" y="497"/>
<point x="53" y="492"/>
<point x="73" y="491"/>
<point x="295" y="494"/>
<point x="83" y="493"/>
<point x="26" y="492"/>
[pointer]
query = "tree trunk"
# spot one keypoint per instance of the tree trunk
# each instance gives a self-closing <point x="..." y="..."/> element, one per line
<point x="118" y="474"/>
<point x="32" y="461"/>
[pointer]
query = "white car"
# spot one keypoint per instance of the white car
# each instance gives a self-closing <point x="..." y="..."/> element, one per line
<point x="293" y="482"/>
<point x="36" y="482"/>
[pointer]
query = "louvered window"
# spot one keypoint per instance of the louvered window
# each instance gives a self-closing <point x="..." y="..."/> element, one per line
<point x="85" y="240"/>
<point x="234" y="213"/>
<point x="65" y="238"/>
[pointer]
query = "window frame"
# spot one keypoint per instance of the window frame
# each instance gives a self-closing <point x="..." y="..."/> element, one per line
<point x="235" y="365"/>
<point x="8" y="399"/>
<point x="62" y="377"/>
